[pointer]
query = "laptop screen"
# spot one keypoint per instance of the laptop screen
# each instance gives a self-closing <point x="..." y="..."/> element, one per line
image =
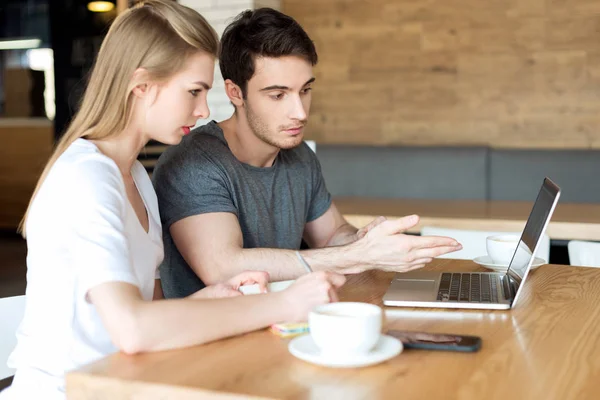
<point x="534" y="228"/>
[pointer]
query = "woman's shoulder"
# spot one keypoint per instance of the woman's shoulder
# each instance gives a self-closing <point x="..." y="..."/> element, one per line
<point x="82" y="151"/>
<point x="82" y="172"/>
<point x="82" y="181"/>
<point x="83" y="161"/>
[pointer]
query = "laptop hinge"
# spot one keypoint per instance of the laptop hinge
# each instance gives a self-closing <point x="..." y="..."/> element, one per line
<point x="507" y="286"/>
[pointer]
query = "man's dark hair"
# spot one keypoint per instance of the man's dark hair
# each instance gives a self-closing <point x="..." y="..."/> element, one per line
<point x="264" y="32"/>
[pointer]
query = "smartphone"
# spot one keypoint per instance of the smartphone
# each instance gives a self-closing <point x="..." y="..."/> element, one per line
<point x="437" y="341"/>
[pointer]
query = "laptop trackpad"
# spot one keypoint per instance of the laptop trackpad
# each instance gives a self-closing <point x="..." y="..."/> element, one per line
<point x="414" y="289"/>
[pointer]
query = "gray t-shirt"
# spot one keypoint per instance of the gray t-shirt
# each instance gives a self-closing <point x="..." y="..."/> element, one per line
<point x="201" y="175"/>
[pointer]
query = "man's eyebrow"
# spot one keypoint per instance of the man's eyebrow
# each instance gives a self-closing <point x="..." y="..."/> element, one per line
<point x="205" y="85"/>
<point x="281" y="87"/>
<point x="274" y="87"/>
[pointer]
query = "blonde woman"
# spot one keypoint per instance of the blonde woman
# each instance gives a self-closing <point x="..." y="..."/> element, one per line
<point x="93" y="229"/>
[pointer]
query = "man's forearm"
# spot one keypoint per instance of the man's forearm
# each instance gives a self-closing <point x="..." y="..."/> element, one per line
<point x="284" y="264"/>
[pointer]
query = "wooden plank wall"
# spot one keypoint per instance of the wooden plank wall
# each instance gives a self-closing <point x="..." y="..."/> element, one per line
<point x="500" y="73"/>
<point x="25" y="149"/>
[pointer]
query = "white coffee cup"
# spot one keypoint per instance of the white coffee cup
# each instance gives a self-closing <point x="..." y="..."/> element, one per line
<point x="501" y="248"/>
<point x="346" y="329"/>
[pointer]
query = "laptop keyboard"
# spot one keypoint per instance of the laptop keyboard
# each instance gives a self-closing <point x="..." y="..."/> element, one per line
<point x="468" y="287"/>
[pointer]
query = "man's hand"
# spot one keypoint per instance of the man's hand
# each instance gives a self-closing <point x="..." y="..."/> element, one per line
<point x="385" y="246"/>
<point x="367" y="228"/>
<point x="231" y="286"/>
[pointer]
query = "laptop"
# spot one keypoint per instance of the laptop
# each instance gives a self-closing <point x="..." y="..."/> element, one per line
<point x="478" y="290"/>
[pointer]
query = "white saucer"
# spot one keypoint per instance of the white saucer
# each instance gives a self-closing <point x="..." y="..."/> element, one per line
<point x="486" y="261"/>
<point x="305" y="349"/>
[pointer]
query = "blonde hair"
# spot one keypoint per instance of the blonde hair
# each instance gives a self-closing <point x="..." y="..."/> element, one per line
<point x="157" y="35"/>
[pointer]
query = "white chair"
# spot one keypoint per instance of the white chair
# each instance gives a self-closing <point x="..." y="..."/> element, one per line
<point x="584" y="254"/>
<point x="11" y="314"/>
<point x="474" y="242"/>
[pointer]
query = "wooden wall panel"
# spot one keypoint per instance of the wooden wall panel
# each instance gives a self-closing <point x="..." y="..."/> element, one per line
<point x="500" y="73"/>
<point x="25" y="148"/>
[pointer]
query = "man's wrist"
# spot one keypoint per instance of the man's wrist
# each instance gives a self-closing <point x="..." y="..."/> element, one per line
<point x="354" y="256"/>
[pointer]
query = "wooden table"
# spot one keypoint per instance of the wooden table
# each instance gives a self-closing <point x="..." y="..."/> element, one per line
<point x="548" y="347"/>
<point x="570" y="220"/>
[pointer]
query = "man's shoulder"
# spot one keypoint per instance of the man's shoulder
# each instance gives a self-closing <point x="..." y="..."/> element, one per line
<point x="204" y="139"/>
<point x="209" y="134"/>
<point x="200" y="147"/>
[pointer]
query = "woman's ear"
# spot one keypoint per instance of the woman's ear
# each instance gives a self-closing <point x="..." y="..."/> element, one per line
<point x="234" y="92"/>
<point x="140" y="90"/>
<point x="140" y="82"/>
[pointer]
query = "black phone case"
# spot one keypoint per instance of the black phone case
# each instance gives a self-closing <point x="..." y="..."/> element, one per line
<point x="472" y="343"/>
<point x="445" y="347"/>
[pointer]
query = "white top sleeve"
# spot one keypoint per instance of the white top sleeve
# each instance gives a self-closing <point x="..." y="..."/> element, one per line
<point x="98" y="208"/>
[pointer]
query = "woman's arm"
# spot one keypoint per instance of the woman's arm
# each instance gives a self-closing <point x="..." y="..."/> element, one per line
<point x="137" y="326"/>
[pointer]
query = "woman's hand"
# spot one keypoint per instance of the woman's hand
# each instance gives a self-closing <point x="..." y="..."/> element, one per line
<point x="231" y="286"/>
<point x="310" y="291"/>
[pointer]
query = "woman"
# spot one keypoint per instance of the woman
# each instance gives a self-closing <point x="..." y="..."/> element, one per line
<point x="93" y="229"/>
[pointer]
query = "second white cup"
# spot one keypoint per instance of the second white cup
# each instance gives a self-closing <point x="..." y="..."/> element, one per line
<point x="346" y="329"/>
<point x="501" y="248"/>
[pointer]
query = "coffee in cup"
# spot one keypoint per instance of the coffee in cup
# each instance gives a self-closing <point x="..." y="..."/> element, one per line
<point x="346" y="329"/>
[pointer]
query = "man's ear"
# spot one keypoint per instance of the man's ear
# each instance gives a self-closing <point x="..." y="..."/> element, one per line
<point x="234" y="92"/>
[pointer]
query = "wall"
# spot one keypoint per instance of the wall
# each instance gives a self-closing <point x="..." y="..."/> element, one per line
<point x="503" y="73"/>
<point x="25" y="146"/>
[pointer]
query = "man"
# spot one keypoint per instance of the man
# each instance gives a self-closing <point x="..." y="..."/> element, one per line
<point x="242" y="194"/>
